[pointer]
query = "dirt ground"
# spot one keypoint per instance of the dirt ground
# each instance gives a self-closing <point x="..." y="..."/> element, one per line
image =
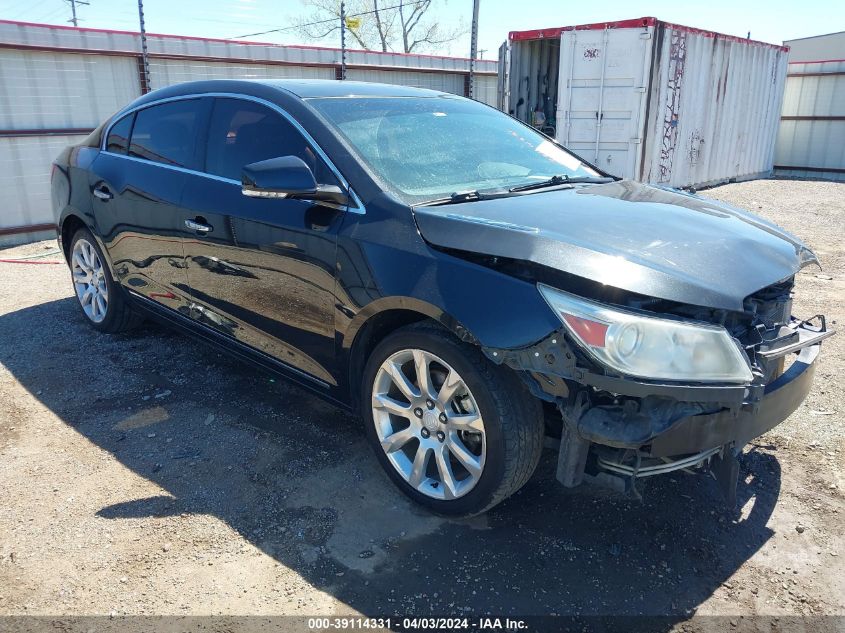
<point x="147" y="474"/>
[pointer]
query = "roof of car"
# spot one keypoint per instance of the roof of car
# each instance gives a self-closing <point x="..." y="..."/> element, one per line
<point x="281" y="89"/>
<point x="302" y="88"/>
<point x="308" y="88"/>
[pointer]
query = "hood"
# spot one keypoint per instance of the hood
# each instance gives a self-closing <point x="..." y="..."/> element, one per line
<point x="648" y="240"/>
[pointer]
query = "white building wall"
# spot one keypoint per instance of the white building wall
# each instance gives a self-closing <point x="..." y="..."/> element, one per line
<point x="817" y="48"/>
<point x="811" y="137"/>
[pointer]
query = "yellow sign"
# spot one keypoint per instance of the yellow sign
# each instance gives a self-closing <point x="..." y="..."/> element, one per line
<point x="353" y="23"/>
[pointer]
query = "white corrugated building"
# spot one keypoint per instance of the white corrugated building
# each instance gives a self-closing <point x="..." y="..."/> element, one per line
<point x="811" y="138"/>
<point x="57" y="83"/>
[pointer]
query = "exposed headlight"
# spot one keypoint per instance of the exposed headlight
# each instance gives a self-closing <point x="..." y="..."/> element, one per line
<point x="648" y="347"/>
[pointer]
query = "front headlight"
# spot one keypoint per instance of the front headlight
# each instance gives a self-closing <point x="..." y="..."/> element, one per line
<point x="648" y="347"/>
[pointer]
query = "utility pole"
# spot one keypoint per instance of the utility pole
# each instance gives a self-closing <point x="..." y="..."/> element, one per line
<point x="145" y="60"/>
<point x="74" y="20"/>
<point x="342" y="41"/>
<point x="473" y="48"/>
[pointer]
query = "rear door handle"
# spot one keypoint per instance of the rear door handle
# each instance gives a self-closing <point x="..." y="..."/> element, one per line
<point x="199" y="227"/>
<point x="102" y="192"/>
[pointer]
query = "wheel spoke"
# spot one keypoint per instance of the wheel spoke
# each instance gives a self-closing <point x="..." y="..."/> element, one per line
<point x="451" y="385"/>
<point x="447" y="477"/>
<point x="79" y="262"/>
<point x="87" y="296"/>
<point x="467" y="459"/>
<point x="87" y="255"/>
<point x="382" y="401"/>
<point x="421" y="362"/>
<point x="101" y="303"/>
<point x="401" y="380"/>
<point x="397" y="440"/>
<point x="420" y="465"/>
<point x="470" y="422"/>
<point x="94" y="305"/>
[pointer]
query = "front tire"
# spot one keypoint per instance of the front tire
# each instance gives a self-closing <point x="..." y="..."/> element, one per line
<point x="99" y="297"/>
<point x="454" y="432"/>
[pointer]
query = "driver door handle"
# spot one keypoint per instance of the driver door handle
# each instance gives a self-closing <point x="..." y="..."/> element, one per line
<point x="103" y="193"/>
<point x="199" y="227"/>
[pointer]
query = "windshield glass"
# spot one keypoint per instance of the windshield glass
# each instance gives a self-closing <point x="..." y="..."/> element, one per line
<point x="426" y="148"/>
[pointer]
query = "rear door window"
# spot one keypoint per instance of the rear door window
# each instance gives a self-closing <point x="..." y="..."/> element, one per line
<point x="167" y="133"/>
<point x="118" y="140"/>
<point x="243" y="132"/>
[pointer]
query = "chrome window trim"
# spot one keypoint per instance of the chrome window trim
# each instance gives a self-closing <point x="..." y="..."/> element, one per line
<point x="359" y="206"/>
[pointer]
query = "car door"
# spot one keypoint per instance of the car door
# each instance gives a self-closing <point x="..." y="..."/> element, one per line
<point x="261" y="270"/>
<point x="137" y="183"/>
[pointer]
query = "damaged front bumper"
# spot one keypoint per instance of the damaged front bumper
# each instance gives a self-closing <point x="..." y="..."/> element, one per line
<point x="626" y="428"/>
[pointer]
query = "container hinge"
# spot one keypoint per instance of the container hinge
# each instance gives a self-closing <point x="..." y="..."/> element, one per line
<point x="645" y="36"/>
<point x="640" y="89"/>
<point x="636" y="141"/>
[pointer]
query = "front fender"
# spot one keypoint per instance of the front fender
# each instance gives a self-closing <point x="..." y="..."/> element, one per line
<point x="481" y="305"/>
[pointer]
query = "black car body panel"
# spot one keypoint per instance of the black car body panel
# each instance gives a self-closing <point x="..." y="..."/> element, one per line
<point x="305" y="287"/>
<point x="635" y="237"/>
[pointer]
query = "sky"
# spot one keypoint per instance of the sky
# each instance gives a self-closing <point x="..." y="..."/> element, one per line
<point x="770" y="21"/>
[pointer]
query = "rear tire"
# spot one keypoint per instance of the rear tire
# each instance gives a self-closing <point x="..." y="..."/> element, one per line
<point x="99" y="297"/>
<point x="466" y="438"/>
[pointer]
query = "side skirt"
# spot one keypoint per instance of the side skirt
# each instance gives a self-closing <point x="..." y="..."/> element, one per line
<point x="237" y="349"/>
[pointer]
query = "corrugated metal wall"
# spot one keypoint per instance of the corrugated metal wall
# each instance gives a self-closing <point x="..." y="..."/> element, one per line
<point x="58" y="83"/>
<point x="811" y="137"/>
<point x="25" y="164"/>
<point x="41" y="90"/>
<point x="165" y="72"/>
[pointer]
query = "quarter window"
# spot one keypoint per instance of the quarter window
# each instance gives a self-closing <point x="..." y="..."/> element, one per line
<point x="118" y="140"/>
<point x="165" y="133"/>
<point x="242" y="132"/>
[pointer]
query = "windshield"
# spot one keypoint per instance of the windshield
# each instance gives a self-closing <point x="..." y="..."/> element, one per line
<point x="426" y="148"/>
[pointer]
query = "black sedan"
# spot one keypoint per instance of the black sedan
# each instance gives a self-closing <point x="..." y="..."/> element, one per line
<point x="466" y="284"/>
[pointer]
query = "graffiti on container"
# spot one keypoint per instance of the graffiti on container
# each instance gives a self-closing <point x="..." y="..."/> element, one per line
<point x="695" y="143"/>
<point x="677" y="60"/>
<point x="591" y="53"/>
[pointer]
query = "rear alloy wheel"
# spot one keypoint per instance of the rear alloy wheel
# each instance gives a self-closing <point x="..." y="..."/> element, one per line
<point x="89" y="280"/>
<point x="98" y="295"/>
<point x="454" y="432"/>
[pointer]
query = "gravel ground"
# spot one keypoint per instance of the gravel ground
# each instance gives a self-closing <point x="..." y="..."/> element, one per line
<point x="148" y="474"/>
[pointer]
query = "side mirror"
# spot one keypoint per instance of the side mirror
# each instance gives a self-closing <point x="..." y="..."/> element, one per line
<point x="287" y="177"/>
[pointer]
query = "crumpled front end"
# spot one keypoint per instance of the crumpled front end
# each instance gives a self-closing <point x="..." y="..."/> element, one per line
<point x="620" y="429"/>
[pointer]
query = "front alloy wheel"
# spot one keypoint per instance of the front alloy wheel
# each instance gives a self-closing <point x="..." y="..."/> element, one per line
<point x="89" y="280"/>
<point x="455" y="432"/>
<point x="428" y="424"/>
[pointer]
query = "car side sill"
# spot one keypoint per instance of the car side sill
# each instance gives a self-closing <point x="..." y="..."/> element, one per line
<point x="235" y="348"/>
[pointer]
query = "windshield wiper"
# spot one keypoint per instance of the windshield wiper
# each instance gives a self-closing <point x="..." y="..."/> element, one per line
<point x="554" y="181"/>
<point x="459" y="196"/>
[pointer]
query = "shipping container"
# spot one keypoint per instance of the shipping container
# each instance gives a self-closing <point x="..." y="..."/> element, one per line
<point x="649" y="100"/>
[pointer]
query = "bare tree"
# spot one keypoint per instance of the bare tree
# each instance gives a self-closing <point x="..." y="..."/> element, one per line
<point x="406" y="26"/>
